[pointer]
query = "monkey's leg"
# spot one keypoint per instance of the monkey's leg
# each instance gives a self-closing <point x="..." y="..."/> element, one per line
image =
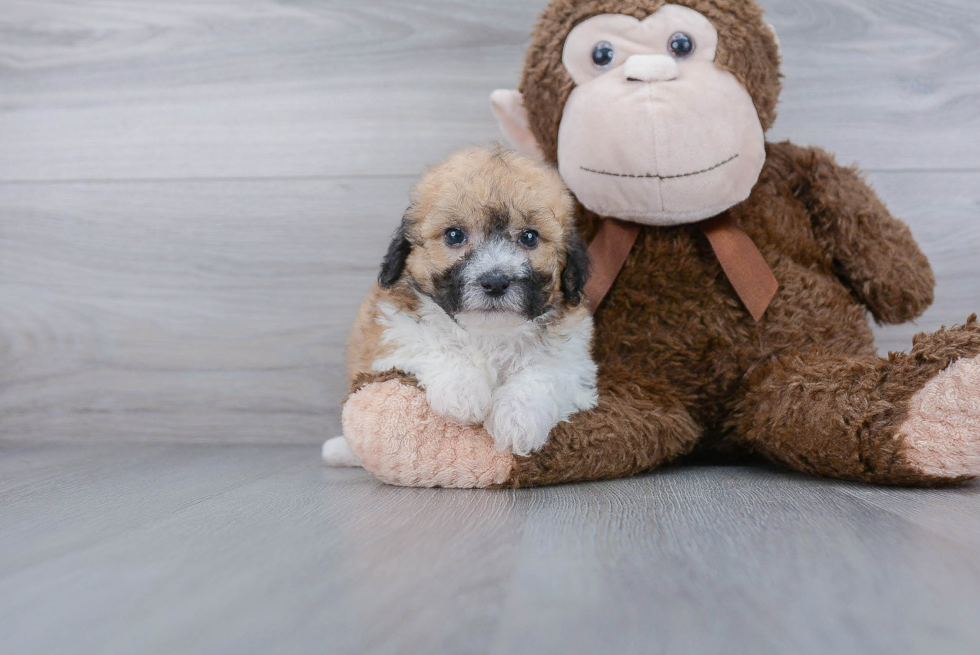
<point x="911" y="419"/>
<point x="398" y="439"/>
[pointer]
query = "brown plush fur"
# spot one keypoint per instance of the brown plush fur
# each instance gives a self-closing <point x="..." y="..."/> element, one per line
<point x="683" y="367"/>
<point x="682" y="363"/>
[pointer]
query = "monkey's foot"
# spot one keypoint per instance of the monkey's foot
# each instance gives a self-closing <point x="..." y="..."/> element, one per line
<point x="400" y="440"/>
<point x="942" y="429"/>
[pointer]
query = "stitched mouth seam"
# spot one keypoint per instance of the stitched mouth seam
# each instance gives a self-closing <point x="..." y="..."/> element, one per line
<point x="662" y="177"/>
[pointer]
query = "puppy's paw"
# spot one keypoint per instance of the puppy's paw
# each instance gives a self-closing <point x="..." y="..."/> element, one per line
<point x="519" y="423"/>
<point x="465" y="397"/>
<point x="337" y="453"/>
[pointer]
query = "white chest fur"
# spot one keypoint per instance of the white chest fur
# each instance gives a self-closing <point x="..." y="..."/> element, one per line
<point x="519" y="378"/>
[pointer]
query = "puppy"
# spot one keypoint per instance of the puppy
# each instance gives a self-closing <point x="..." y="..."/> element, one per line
<point x="480" y="298"/>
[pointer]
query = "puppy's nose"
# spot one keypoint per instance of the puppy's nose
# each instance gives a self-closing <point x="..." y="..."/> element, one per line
<point x="650" y="68"/>
<point x="495" y="283"/>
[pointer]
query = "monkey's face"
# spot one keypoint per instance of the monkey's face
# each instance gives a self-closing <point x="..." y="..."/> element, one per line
<point x="655" y="132"/>
<point x="490" y="238"/>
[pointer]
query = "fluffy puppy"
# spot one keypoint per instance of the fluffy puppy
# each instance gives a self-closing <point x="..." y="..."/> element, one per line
<point x="480" y="298"/>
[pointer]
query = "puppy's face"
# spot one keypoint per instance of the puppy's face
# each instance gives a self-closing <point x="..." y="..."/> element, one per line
<point x="489" y="234"/>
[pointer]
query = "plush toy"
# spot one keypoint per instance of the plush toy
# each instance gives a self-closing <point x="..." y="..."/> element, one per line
<point x="733" y="277"/>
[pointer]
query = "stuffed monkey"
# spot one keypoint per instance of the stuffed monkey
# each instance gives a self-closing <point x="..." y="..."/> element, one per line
<point x="733" y="292"/>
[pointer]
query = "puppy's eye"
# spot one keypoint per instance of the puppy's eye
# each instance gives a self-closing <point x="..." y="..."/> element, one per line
<point x="455" y="237"/>
<point x="603" y="55"/>
<point x="529" y="239"/>
<point x="681" y="45"/>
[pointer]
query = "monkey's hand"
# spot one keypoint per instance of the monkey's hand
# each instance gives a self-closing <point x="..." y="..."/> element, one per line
<point x="875" y="254"/>
<point x="397" y="437"/>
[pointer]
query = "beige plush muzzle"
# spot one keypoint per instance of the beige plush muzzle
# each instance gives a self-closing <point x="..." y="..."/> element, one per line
<point x="653" y="138"/>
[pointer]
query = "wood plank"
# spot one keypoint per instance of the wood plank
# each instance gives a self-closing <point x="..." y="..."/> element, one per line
<point x="297" y="561"/>
<point x="952" y="513"/>
<point x="299" y="558"/>
<point x="129" y="90"/>
<point x="734" y="560"/>
<point x="59" y="500"/>
<point x="258" y="89"/>
<point x="218" y="311"/>
<point x="888" y="84"/>
<point x="197" y="311"/>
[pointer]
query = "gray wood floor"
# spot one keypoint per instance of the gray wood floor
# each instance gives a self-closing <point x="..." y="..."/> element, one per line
<point x="193" y="198"/>
<point x="258" y="549"/>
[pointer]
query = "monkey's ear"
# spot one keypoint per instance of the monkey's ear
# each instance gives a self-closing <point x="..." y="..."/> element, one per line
<point x="508" y="107"/>
<point x="578" y="266"/>
<point x="394" y="262"/>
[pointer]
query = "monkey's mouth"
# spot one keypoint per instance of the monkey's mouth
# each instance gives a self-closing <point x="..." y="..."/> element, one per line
<point x="662" y="177"/>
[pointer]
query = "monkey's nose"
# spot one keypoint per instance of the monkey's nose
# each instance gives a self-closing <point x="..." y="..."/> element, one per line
<point x="650" y="68"/>
<point x="494" y="283"/>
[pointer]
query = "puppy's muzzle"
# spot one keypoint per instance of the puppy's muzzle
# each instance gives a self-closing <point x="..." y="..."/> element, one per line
<point x="497" y="277"/>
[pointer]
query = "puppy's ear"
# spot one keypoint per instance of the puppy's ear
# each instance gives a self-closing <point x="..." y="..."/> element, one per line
<point x="394" y="262"/>
<point x="578" y="266"/>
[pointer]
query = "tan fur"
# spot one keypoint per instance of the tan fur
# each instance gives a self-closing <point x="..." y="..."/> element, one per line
<point x="364" y="345"/>
<point x="458" y="193"/>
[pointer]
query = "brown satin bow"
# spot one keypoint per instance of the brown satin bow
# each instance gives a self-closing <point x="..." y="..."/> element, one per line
<point x="739" y="257"/>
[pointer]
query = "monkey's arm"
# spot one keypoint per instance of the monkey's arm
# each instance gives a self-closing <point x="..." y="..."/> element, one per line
<point x="874" y="253"/>
<point x="637" y="426"/>
<point x="399" y="440"/>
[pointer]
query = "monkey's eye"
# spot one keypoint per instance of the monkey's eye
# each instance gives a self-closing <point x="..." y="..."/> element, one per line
<point x="681" y="45"/>
<point x="455" y="237"/>
<point x="603" y="55"/>
<point x="529" y="239"/>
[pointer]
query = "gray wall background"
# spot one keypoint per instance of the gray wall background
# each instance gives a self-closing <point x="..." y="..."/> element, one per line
<point x="194" y="196"/>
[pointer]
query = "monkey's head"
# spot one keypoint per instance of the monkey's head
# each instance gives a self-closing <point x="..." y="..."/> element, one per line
<point x="654" y="112"/>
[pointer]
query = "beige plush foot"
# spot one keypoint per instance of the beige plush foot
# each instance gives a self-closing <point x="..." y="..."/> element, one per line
<point x="942" y="429"/>
<point x="398" y="439"/>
